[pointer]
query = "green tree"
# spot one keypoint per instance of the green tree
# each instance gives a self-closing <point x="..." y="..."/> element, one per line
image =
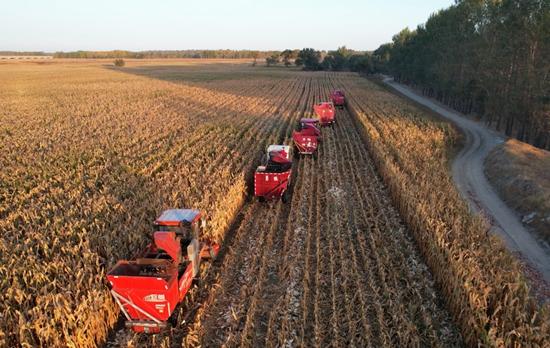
<point x="119" y="62"/>
<point x="309" y="58"/>
<point x="272" y="60"/>
<point x="254" y="55"/>
<point x="287" y="55"/>
<point x="484" y="57"/>
<point x="361" y="63"/>
<point x="337" y="60"/>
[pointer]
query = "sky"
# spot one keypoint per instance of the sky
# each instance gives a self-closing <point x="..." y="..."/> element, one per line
<point x="69" y="25"/>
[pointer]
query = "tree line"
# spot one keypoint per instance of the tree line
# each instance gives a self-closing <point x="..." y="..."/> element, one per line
<point x="23" y="53"/>
<point x="337" y="60"/>
<point x="207" y="54"/>
<point x="490" y="58"/>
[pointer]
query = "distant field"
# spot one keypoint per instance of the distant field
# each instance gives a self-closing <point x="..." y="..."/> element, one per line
<point x="374" y="248"/>
<point x="24" y="57"/>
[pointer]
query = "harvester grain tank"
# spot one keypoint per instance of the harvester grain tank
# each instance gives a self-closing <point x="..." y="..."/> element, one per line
<point x="338" y="98"/>
<point x="326" y="113"/>
<point x="149" y="287"/>
<point x="272" y="177"/>
<point x="306" y="139"/>
<point x="311" y="126"/>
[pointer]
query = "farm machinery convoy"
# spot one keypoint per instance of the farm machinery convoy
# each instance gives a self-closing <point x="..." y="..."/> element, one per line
<point x="150" y="286"/>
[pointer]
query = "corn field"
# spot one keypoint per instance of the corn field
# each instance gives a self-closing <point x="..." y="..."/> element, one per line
<point x="375" y="248"/>
<point x="481" y="282"/>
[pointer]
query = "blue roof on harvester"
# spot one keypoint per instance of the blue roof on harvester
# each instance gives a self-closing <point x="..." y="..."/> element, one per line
<point x="178" y="215"/>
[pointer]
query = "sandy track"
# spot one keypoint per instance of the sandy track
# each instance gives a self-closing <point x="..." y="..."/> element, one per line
<point x="468" y="174"/>
<point x="334" y="267"/>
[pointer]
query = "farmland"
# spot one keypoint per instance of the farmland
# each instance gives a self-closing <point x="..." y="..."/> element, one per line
<point x="366" y="253"/>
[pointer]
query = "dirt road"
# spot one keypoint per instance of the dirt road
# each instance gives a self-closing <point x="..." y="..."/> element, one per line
<point x="467" y="170"/>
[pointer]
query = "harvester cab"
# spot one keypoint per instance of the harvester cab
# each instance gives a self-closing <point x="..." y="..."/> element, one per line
<point x="149" y="287"/>
<point x="326" y="113"/>
<point x="272" y="177"/>
<point x="184" y="222"/>
<point x="189" y="225"/>
<point x="311" y="126"/>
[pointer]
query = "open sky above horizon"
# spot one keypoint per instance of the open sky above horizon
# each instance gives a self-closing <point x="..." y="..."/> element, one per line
<point x="65" y="25"/>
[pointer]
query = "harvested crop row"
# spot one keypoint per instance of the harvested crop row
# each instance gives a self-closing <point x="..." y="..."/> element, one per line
<point x="239" y="266"/>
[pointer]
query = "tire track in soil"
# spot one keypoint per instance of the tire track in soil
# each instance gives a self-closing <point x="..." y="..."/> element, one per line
<point x="252" y="239"/>
<point x="267" y="289"/>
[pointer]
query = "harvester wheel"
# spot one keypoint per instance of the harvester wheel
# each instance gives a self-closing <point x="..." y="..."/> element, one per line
<point x="315" y="156"/>
<point x="261" y="199"/>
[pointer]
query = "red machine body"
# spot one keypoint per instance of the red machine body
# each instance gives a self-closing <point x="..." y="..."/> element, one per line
<point x="338" y="98"/>
<point x="310" y="126"/>
<point x="272" y="178"/>
<point x="149" y="287"/>
<point x="326" y="113"/>
<point x="306" y="140"/>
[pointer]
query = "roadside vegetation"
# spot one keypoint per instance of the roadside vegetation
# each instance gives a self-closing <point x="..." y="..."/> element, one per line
<point x="521" y="175"/>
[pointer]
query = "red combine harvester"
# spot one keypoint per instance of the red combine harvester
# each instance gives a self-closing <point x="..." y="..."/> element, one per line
<point x="150" y="286"/>
<point x="326" y="113"/>
<point x="306" y="140"/>
<point x="338" y="98"/>
<point x="272" y="178"/>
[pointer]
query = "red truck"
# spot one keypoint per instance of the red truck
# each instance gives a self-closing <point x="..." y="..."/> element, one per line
<point x="149" y="287"/>
<point x="338" y="98"/>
